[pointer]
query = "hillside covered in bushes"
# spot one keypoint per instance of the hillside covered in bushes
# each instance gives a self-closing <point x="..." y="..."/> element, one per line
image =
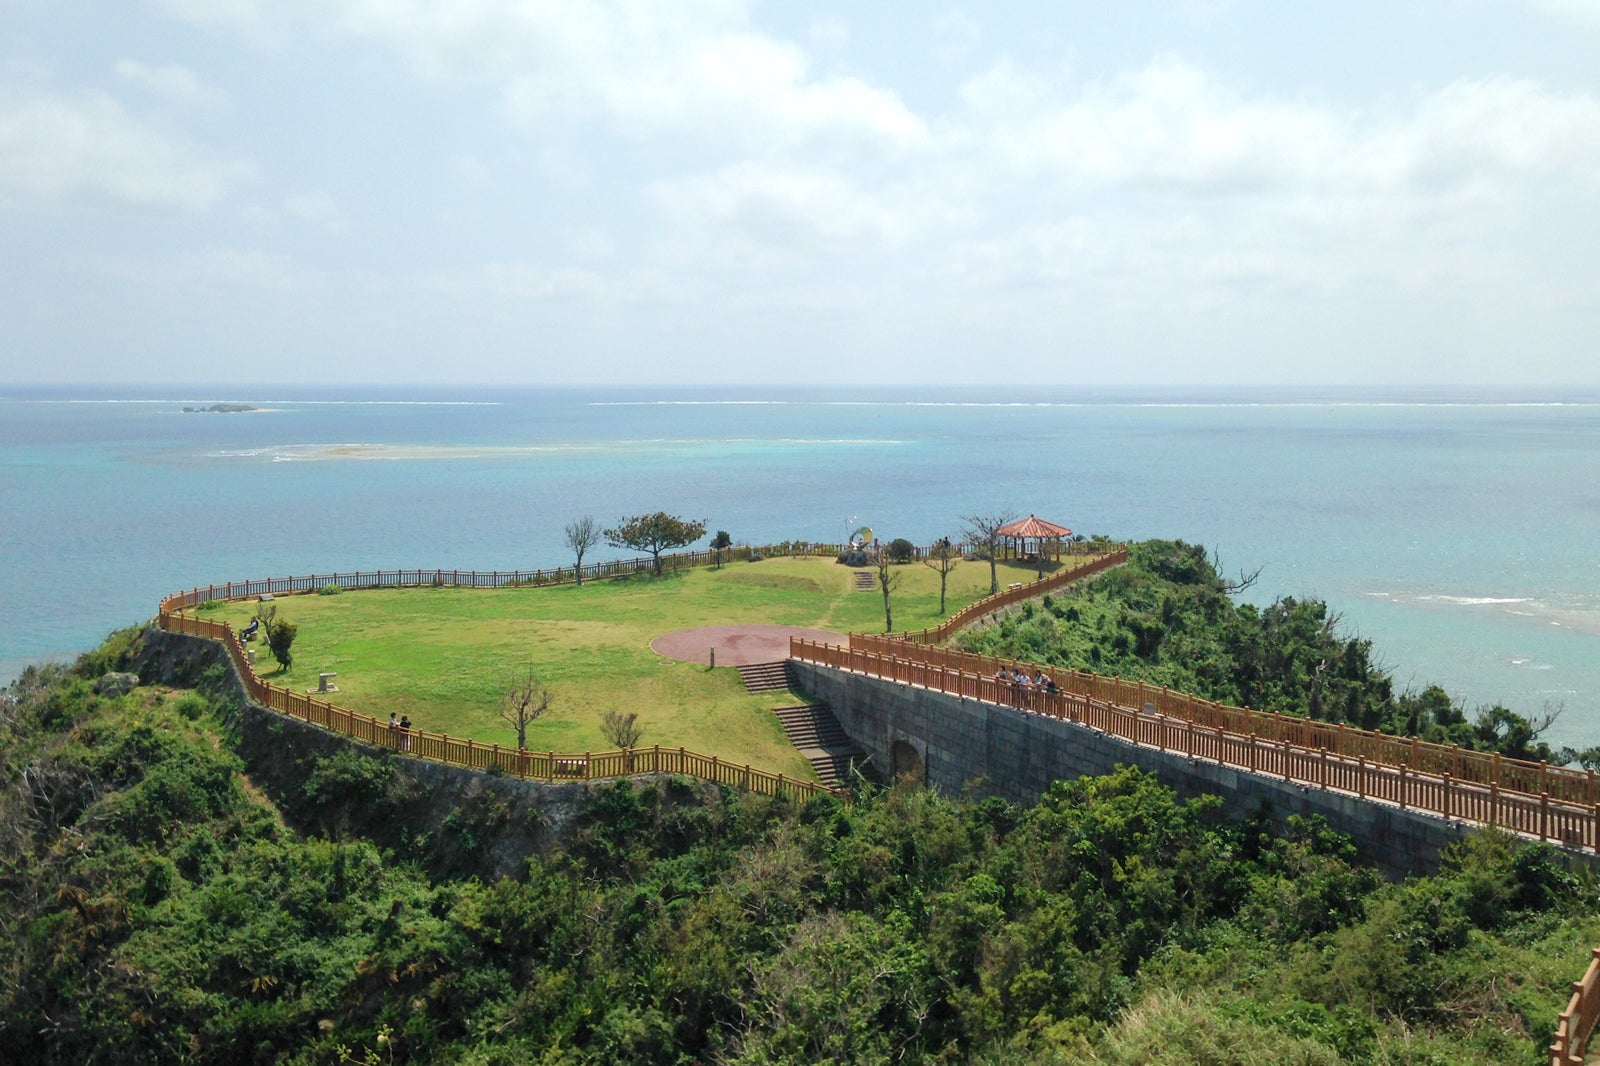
<point x="162" y="905"/>
<point x="1167" y="617"/>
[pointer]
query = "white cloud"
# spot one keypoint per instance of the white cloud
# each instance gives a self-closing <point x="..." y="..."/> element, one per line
<point x="956" y="34"/>
<point x="1174" y="125"/>
<point x="692" y="68"/>
<point x="1580" y="11"/>
<point x="514" y="282"/>
<point x="319" y="209"/>
<point x="172" y="83"/>
<point x="794" y="210"/>
<point x="215" y="270"/>
<point x="88" y="147"/>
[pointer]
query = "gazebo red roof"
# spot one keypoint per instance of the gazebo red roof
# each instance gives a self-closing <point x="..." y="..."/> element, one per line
<point x="1032" y="528"/>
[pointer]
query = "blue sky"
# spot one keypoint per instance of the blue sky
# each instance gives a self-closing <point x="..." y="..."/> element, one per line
<point x="488" y="191"/>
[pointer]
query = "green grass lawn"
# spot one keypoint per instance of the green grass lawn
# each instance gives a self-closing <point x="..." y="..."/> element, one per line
<point x="444" y="656"/>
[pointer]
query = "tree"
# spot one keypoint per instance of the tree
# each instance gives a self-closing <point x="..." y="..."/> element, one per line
<point x="720" y="543"/>
<point x="942" y="558"/>
<point x="983" y="531"/>
<point x="654" y="533"/>
<point x="581" y="536"/>
<point x="280" y="638"/>
<point x="888" y="579"/>
<point x="525" y="702"/>
<point x="622" y="731"/>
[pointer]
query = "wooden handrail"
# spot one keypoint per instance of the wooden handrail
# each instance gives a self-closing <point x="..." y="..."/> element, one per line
<point x="1577" y="1022"/>
<point x="560" y="575"/>
<point x="1114" y="555"/>
<point x="1486" y="790"/>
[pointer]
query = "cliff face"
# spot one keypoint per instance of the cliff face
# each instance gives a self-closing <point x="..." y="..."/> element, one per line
<point x="456" y="822"/>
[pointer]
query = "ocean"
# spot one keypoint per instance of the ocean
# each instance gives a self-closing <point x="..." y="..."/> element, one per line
<point x="1455" y="529"/>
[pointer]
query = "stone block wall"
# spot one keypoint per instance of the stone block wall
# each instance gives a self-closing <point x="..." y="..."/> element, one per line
<point x="955" y="744"/>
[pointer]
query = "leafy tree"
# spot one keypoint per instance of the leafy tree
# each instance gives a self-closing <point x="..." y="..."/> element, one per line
<point x="621" y="731"/>
<point x="280" y="638"/>
<point x="942" y="558"/>
<point x="982" y="531"/>
<point x="525" y="701"/>
<point x="582" y="535"/>
<point x="654" y="533"/>
<point x="721" y="543"/>
<point x="902" y="550"/>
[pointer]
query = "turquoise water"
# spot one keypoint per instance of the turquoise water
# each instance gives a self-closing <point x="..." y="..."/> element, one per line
<point x="1455" y="530"/>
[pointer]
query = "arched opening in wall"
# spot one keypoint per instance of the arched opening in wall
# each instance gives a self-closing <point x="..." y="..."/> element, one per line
<point x="907" y="760"/>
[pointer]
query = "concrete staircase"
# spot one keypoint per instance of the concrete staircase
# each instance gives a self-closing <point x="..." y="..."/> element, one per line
<point x="865" y="581"/>
<point x="816" y="732"/>
<point x="765" y="677"/>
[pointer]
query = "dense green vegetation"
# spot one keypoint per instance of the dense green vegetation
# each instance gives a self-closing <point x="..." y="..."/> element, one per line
<point x="1167" y="618"/>
<point x="160" y="908"/>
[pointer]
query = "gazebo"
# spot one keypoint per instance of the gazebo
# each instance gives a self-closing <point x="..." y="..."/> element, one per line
<point x="1037" y="531"/>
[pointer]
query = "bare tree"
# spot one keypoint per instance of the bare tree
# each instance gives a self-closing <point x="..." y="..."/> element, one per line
<point x="1235" y="584"/>
<point x="983" y="531"/>
<point x="622" y="730"/>
<point x="525" y="702"/>
<point x="942" y="558"/>
<point x="888" y="579"/>
<point x="581" y="536"/>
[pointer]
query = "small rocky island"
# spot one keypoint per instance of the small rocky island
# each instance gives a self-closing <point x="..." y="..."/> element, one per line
<point x="220" y="408"/>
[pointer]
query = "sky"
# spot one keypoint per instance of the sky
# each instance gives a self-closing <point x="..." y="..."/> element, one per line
<point x="709" y="191"/>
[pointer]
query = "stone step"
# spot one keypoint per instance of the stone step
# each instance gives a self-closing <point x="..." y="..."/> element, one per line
<point x="834" y="768"/>
<point x="765" y="677"/>
<point x="865" y="581"/>
<point x="813" y="729"/>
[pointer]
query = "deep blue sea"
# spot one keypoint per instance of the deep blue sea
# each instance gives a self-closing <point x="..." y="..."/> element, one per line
<point x="1457" y="530"/>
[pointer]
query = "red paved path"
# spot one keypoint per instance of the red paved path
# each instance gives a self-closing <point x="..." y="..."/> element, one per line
<point x="736" y="645"/>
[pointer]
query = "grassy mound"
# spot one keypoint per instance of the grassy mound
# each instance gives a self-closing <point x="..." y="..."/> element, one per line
<point x="443" y="656"/>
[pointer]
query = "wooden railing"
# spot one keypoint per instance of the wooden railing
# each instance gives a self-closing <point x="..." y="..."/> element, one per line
<point x="1442" y="760"/>
<point x="1114" y="555"/>
<point x="480" y="579"/>
<point x="558" y="575"/>
<point x="1578" y="1020"/>
<point x="1550" y="803"/>
<point x="464" y="751"/>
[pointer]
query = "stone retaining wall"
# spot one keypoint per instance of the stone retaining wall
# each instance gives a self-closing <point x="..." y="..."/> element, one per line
<point x="954" y="744"/>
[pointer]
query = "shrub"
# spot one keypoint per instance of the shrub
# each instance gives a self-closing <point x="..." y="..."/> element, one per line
<point x="330" y="590"/>
<point x="280" y="638"/>
<point x="901" y="550"/>
<point x="191" y="705"/>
